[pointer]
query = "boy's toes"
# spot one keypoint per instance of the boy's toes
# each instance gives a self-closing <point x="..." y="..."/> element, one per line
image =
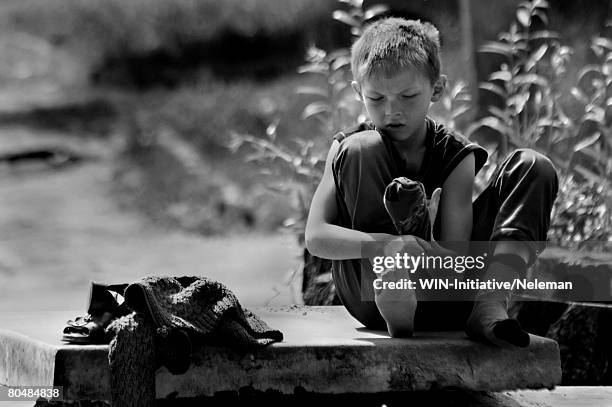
<point x="400" y="331"/>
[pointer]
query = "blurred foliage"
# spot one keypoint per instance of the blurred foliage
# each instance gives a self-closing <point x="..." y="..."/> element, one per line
<point x="103" y="28"/>
<point x="531" y="115"/>
<point x="224" y="193"/>
<point x="296" y="169"/>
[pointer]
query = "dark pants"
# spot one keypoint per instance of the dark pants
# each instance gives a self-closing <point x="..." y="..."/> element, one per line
<point x="516" y="205"/>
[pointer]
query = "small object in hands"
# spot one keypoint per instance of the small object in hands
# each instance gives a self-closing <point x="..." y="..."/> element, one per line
<point x="406" y="203"/>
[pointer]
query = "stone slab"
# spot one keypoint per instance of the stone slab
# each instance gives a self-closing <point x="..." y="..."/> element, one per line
<point x="562" y="396"/>
<point x="325" y="351"/>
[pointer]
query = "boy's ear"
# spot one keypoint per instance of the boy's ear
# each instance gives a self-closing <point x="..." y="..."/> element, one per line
<point x="438" y="88"/>
<point x="357" y="89"/>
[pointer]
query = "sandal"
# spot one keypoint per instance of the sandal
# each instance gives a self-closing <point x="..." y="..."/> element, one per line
<point x="86" y="329"/>
<point x="106" y="303"/>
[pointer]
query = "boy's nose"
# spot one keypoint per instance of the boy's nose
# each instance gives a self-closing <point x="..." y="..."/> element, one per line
<point x="392" y="107"/>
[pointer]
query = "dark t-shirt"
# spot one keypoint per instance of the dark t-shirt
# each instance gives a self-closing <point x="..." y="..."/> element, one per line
<point x="444" y="150"/>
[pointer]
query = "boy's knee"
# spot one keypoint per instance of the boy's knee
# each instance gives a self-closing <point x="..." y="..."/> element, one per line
<point x="366" y="146"/>
<point x="539" y="164"/>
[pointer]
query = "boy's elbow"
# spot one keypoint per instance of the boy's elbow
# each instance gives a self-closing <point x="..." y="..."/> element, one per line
<point x="312" y="238"/>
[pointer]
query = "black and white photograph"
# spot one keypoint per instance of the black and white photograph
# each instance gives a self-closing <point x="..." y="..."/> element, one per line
<point x="305" y="203"/>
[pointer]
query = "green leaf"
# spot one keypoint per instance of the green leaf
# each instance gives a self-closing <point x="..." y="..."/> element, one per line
<point x="522" y="15"/>
<point x="579" y="95"/>
<point x="587" y="142"/>
<point x="375" y="10"/>
<point x="495" y="124"/>
<point x="345" y="18"/>
<point x="518" y="101"/>
<point x="501" y="75"/>
<point x="315" y="108"/>
<point x="535" y="57"/>
<point x="548" y="122"/>
<point x="541" y="15"/>
<point x="498" y="48"/>
<point x="543" y="35"/>
<point x="595" y="114"/>
<point x="340" y="62"/>
<point x="312" y="90"/>
<point x="271" y="129"/>
<point x="457" y="88"/>
<point x="459" y="111"/>
<point x="530" y="79"/>
<point x="498" y="90"/>
<point x="319" y="68"/>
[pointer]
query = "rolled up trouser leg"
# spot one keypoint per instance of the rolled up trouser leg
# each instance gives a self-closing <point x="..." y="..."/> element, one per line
<point x="516" y="206"/>
<point x="363" y="167"/>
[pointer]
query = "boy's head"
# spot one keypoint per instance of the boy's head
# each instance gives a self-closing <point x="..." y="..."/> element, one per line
<point x="396" y="71"/>
<point x="389" y="46"/>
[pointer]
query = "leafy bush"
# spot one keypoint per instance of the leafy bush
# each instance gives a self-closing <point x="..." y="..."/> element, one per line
<point x="532" y="115"/>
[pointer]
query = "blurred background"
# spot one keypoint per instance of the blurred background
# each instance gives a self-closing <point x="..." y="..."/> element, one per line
<point x="186" y="137"/>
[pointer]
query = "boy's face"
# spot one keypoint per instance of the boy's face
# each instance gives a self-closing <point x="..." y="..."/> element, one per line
<point x="398" y="105"/>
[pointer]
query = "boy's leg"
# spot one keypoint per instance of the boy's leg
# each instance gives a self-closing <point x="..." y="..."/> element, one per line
<point x="514" y="213"/>
<point x="363" y="167"/>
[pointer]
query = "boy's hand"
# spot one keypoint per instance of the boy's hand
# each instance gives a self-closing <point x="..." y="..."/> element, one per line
<point x="434" y="202"/>
<point x="433" y="248"/>
<point x="404" y="243"/>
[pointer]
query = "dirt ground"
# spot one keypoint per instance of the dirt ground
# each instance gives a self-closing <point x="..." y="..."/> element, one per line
<point x="60" y="228"/>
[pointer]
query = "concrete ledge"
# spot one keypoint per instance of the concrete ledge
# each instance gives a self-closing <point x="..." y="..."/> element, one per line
<point x="325" y="351"/>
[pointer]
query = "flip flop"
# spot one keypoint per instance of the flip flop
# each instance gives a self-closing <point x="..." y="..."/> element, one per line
<point x="106" y="302"/>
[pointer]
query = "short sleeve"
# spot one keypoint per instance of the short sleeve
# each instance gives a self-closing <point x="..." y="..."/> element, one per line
<point x="457" y="150"/>
<point x="363" y="126"/>
<point x="450" y="148"/>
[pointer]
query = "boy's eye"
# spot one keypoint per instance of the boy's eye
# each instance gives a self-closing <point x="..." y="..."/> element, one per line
<point x="409" y="96"/>
<point x="375" y="98"/>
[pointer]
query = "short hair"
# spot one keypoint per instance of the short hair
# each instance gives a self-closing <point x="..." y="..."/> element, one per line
<point x="392" y="44"/>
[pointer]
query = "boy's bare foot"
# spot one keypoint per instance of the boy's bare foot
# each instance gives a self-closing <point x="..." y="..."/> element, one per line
<point x="397" y="306"/>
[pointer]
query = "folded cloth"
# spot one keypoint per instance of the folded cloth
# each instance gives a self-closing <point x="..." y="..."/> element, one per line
<point x="406" y="203"/>
<point x="178" y="312"/>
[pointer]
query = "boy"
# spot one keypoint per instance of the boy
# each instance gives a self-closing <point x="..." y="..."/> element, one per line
<point x="396" y="72"/>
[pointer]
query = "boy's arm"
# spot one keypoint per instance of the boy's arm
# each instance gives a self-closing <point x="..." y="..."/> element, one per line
<point x="327" y="240"/>
<point x="456" y="205"/>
